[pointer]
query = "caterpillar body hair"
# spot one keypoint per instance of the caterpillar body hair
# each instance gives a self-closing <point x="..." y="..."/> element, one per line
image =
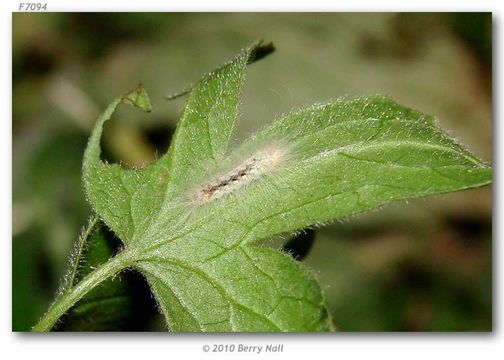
<point x="252" y="169"/>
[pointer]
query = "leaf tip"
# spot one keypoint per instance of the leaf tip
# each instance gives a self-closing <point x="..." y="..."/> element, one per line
<point x="260" y="50"/>
<point x="138" y="98"/>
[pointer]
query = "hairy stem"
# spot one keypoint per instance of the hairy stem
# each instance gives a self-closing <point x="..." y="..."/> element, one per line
<point x="119" y="262"/>
<point x="74" y="265"/>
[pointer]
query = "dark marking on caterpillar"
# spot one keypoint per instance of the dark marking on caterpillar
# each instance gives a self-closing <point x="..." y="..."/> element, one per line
<point x="262" y="163"/>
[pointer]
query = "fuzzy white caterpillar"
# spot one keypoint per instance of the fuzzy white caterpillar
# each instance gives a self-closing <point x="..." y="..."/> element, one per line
<point x="262" y="163"/>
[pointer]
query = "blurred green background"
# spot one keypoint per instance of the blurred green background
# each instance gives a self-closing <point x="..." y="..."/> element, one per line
<point x="425" y="265"/>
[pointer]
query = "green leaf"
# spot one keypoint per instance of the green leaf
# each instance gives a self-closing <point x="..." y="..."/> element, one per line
<point x="108" y="306"/>
<point x="121" y="303"/>
<point x="104" y="182"/>
<point x="349" y="156"/>
<point x="203" y="133"/>
<point x="202" y="136"/>
<point x="192" y="221"/>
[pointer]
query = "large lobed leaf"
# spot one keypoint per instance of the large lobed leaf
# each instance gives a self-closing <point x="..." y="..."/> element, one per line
<point x="203" y="259"/>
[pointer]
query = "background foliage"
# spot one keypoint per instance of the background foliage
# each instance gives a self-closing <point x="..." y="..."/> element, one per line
<point x="421" y="266"/>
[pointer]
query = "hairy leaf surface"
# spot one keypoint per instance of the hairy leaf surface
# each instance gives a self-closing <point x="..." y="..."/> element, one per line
<point x="194" y="219"/>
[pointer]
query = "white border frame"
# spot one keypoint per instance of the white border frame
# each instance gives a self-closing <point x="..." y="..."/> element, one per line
<point x="165" y="346"/>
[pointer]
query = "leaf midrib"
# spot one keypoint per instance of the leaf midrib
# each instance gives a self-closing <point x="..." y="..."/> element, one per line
<point x="337" y="151"/>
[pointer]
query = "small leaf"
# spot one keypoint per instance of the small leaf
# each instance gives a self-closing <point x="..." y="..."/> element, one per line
<point x="115" y="304"/>
<point x="106" y="307"/>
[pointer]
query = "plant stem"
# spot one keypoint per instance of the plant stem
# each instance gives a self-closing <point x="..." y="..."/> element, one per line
<point x="74" y="294"/>
<point x="70" y="278"/>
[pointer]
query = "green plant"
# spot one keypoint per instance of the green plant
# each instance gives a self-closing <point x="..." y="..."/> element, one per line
<point x="192" y="222"/>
